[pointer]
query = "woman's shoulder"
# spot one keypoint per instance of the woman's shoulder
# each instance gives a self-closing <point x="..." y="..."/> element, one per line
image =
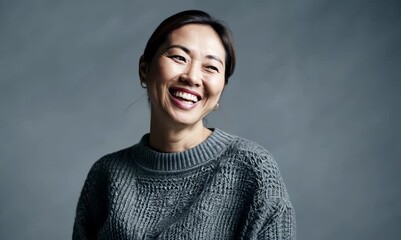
<point x="249" y="152"/>
<point x="256" y="160"/>
<point x="260" y="164"/>
<point x="112" y="161"/>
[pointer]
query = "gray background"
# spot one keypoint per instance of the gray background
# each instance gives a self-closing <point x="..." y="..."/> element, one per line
<point x="317" y="83"/>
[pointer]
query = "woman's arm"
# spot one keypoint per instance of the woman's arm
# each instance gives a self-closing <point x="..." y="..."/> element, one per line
<point x="89" y="210"/>
<point x="281" y="225"/>
<point x="271" y="214"/>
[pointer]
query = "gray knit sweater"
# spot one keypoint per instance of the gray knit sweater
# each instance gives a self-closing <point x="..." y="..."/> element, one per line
<point x="224" y="188"/>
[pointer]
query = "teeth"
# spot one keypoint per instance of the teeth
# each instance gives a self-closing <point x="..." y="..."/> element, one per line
<point x="186" y="96"/>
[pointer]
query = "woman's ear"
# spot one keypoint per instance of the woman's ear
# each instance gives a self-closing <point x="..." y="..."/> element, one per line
<point x="143" y="70"/>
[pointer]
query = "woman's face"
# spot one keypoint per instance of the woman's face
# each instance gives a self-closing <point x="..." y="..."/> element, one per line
<point x="186" y="77"/>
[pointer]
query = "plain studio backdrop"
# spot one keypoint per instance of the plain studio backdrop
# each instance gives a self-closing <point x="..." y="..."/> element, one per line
<point x="317" y="83"/>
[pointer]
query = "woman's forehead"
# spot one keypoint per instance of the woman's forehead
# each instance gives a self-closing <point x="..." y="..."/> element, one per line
<point x="196" y="38"/>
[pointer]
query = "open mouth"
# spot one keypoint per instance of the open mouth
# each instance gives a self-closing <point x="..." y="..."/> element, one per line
<point x="184" y="96"/>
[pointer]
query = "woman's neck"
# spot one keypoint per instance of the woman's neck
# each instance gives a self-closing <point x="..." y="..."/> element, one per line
<point x="170" y="139"/>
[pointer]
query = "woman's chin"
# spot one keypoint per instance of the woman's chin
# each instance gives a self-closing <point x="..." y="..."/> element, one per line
<point x="183" y="118"/>
<point x="185" y="121"/>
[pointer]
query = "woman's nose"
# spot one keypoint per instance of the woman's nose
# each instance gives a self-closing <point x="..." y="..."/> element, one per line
<point x="193" y="75"/>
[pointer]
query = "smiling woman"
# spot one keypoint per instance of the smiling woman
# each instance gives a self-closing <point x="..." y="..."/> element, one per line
<point x="183" y="180"/>
<point x="184" y="79"/>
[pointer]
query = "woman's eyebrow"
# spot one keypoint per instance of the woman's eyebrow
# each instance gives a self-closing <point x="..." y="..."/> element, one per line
<point x="215" y="58"/>
<point x="187" y="51"/>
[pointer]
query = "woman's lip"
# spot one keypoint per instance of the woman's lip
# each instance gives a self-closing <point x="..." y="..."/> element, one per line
<point x="187" y="91"/>
<point x="182" y="104"/>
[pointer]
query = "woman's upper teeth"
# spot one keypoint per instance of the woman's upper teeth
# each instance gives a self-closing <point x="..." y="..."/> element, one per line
<point x="186" y="96"/>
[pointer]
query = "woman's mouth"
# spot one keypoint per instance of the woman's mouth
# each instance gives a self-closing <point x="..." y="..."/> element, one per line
<point x="185" y="95"/>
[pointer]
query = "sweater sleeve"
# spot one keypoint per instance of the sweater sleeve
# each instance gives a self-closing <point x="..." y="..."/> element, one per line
<point x="281" y="225"/>
<point x="88" y="212"/>
<point x="271" y="214"/>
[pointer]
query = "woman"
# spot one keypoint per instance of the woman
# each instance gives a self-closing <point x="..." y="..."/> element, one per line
<point x="183" y="180"/>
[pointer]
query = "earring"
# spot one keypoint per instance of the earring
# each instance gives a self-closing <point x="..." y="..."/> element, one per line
<point x="143" y="84"/>
<point x="216" y="107"/>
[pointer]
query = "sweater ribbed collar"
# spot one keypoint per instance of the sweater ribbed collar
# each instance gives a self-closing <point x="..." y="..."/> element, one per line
<point x="145" y="156"/>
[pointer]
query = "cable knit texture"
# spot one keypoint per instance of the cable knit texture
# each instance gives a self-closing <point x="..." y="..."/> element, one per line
<point x="224" y="188"/>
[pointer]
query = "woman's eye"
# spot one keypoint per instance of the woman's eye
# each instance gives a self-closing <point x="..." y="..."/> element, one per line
<point x="213" y="68"/>
<point x="178" y="58"/>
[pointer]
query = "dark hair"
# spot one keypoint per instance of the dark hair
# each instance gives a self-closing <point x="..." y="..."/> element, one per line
<point x="180" y="19"/>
